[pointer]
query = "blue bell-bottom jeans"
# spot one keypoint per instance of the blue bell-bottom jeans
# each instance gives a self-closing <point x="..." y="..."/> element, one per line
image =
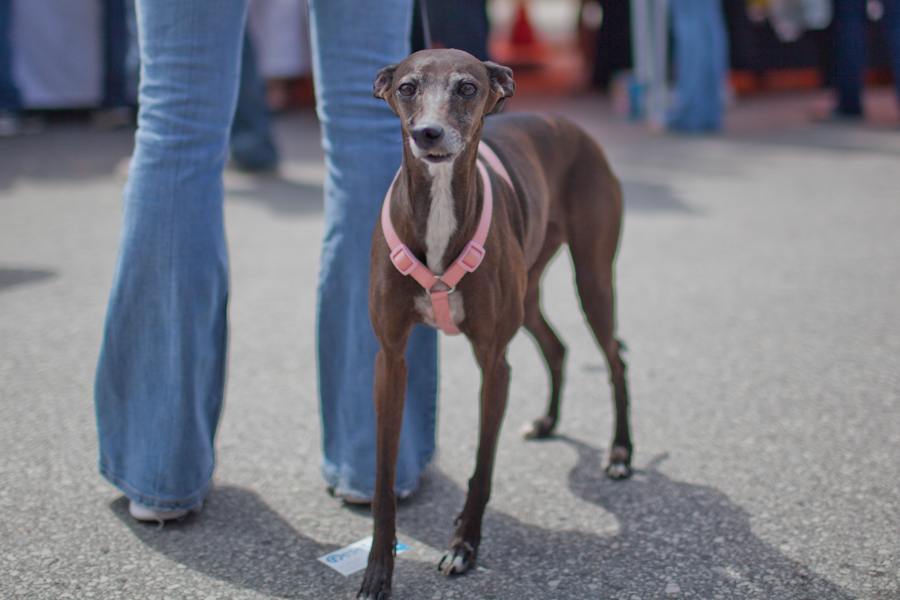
<point x="351" y="41"/>
<point x="161" y="374"/>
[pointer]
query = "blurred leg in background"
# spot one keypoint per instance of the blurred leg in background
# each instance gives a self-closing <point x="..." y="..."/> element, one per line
<point x="117" y="109"/>
<point x="849" y="55"/>
<point x="613" y="43"/>
<point x="649" y="21"/>
<point x="700" y="49"/>
<point x="851" y="51"/>
<point x="252" y="147"/>
<point x="10" y="102"/>
<point x="460" y="24"/>
<point x="891" y="23"/>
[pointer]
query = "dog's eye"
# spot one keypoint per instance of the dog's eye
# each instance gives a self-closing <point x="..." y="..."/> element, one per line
<point x="467" y="89"/>
<point x="407" y="89"/>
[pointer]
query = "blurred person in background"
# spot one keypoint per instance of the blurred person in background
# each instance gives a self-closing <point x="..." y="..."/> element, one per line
<point x="279" y="31"/>
<point x="700" y="59"/>
<point x="10" y="102"/>
<point x="607" y="26"/>
<point x="161" y="372"/>
<point x="117" y="109"/>
<point x="850" y="53"/>
<point x="251" y="144"/>
<point x="460" y="24"/>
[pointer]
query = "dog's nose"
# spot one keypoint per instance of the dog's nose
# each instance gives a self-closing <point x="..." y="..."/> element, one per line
<point x="427" y="136"/>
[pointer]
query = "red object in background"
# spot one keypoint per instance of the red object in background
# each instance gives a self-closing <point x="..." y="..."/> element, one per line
<point x="519" y="47"/>
<point x="522" y="32"/>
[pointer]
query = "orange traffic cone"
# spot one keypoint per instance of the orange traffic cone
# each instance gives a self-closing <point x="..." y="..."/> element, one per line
<point x="522" y="49"/>
<point x="522" y="32"/>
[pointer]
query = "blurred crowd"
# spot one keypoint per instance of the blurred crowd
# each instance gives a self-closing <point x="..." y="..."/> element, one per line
<point x="676" y="53"/>
<point x="671" y="57"/>
<point x="57" y="54"/>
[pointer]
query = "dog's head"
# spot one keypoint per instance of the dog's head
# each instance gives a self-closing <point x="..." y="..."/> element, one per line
<point x="442" y="97"/>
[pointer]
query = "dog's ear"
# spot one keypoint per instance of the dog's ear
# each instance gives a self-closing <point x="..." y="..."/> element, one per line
<point x="383" y="82"/>
<point x="502" y="86"/>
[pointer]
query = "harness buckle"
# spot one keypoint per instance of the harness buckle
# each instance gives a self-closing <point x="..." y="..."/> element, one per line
<point x="404" y="260"/>
<point x="471" y="256"/>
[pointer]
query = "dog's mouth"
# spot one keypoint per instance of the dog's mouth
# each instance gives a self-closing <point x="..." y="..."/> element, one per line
<point x="438" y="157"/>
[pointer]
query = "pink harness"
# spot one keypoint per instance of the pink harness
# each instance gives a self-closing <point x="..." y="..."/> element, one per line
<point x="469" y="258"/>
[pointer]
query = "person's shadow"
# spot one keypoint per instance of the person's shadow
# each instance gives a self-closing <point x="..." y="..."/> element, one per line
<point x="673" y="539"/>
<point x="13" y="277"/>
<point x="238" y="539"/>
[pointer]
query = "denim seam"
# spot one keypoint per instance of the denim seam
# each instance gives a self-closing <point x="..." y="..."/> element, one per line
<point x="170" y="231"/>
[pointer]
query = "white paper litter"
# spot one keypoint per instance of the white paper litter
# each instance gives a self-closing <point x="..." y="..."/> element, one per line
<point x="350" y="559"/>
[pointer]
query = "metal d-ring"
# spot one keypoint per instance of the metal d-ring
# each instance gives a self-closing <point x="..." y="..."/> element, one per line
<point x="449" y="291"/>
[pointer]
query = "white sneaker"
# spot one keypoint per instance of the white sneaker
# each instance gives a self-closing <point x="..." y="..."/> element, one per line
<point x="145" y="513"/>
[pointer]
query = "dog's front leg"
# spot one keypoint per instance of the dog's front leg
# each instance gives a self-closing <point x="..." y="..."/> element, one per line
<point x="390" y="393"/>
<point x="463" y="550"/>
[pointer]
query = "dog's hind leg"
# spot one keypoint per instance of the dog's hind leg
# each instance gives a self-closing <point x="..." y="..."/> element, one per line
<point x="593" y="235"/>
<point x="552" y="348"/>
<point x="598" y="303"/>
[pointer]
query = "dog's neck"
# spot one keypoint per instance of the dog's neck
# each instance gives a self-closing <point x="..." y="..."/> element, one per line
<point x="443" y="201"/>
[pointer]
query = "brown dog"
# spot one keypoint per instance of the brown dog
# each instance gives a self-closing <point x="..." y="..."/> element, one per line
<point x="562" y="190"/>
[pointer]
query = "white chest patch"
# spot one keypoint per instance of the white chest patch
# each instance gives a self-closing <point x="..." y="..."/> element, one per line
<point x="424" y="307"/>
<point x="441" y="217"/>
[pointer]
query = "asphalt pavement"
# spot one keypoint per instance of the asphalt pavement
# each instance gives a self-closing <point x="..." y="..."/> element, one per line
<point x="758" y="295"/>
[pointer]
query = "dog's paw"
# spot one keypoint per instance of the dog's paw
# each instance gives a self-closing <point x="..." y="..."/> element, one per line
<point x="376" y="583"/>
<point x="540" y="429"/>
<point x="619" y="463"/>
<point x="458" y="559"/>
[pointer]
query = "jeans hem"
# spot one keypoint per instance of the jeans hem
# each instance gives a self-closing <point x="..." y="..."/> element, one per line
<point x="189" y="501"/>
<point x="342" y="489"/>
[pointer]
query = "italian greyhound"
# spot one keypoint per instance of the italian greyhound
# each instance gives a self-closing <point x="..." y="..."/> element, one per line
<point x="542" y="182"/>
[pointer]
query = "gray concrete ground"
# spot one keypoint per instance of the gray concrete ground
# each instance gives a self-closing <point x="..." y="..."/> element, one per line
<point x="759" y="295"/>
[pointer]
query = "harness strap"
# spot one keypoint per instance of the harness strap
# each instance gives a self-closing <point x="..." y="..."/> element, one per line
<point x="469" y="258"/>
<point x="494" y="162"/>
<point x="440" y="302"/>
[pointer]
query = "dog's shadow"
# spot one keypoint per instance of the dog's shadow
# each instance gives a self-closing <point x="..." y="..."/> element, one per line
<point x="673" y="538"/>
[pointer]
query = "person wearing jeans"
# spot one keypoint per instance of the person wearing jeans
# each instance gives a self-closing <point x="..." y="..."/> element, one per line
<point x="161" y="372"/>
